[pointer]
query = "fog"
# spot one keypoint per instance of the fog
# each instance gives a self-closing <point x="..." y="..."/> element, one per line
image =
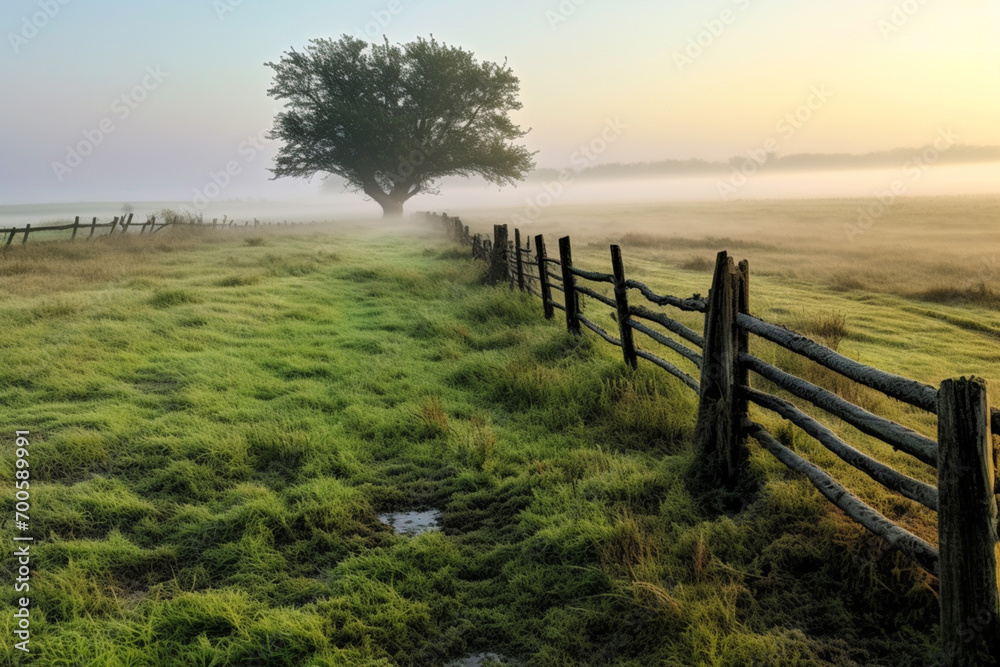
<point x="530" y="200"/>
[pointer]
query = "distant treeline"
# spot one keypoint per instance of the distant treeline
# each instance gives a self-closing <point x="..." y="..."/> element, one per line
<point x="799" y="161"/>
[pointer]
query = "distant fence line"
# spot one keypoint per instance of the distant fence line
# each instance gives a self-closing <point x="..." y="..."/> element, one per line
<point x="121" y="224"/>
<point x="964" y="499"/>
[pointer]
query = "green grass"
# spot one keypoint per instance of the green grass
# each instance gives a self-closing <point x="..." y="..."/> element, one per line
<point x="218" y="421"/>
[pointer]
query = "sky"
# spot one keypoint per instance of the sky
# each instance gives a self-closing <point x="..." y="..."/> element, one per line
<point x="112" y="100"/>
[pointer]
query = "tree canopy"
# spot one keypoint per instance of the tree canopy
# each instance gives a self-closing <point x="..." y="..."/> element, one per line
<point x="391" y="120"/>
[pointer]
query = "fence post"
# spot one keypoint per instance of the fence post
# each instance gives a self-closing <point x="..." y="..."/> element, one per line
<point x="520" y="260"/>
<point x="543" y="277"/>
<point x="621" y="303"/>
<point x="498" y="258"/>
<point x="720" y="453"/>
<point x="742" y="342"/>
<point x="511" y="266"/>
<point x="10" y="237"/>
<point x="27" y="230"/>
<point x="93" y="226"/>
<point x="967" y="526"/>
<point x="114" y="223"/>
<point x="569" y="285"/>
<point x="128" y="222"/>
<point x="76" y="227"/>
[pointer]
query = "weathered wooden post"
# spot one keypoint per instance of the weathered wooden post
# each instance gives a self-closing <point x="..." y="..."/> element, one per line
<point x="10" y="237"/>
<point x="742" y="341"/>
<point x="511" y="266"/>
<point x="967" y="527"/>
<point x="499" y="270"/>
<point x="569" y="286"/>
<point x="543" y="277"/>
<point x="114" y="223"/>
<point x="621" y="304"/>
<point x="76" y="227"/>
<point x="128" y="222"/>
<point x="93" y="226"/>
<point x="519" y="259"/>
<point x="720" y="452"/>
<point x="27" y="230"/>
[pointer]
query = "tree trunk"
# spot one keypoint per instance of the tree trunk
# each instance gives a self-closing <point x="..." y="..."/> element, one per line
<point x="391" y="202"/>
<point x="392" y="207"/>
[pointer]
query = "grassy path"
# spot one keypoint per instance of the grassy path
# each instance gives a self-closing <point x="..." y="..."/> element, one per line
<point x="217" y="424"/>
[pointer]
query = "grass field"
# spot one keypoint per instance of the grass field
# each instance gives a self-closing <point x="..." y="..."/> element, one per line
<point x="218" y="420"/>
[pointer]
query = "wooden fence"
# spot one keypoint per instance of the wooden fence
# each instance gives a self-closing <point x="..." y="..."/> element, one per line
<point x="122" y="224"/>
<point x="965" y="560"/>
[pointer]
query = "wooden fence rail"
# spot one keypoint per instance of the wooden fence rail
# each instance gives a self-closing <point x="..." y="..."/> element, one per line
<point x="123" y="223"/>
<point x="965" y="560"/>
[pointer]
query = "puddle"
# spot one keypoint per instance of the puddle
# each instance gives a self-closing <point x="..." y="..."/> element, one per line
<point x="414" y="523"/>
<point x="478" y="660"/>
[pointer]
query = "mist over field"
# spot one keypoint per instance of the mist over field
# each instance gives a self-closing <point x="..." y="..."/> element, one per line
<point x="531" y="200"/>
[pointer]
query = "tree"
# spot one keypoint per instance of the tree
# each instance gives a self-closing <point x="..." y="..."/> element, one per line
<point x="391" y="120"/>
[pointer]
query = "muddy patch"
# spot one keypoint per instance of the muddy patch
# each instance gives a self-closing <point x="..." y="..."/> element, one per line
<point x="413" y="523"/>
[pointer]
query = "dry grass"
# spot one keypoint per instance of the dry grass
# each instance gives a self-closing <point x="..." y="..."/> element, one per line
<point x="697" y="263"/>
<point x="47" y="267"/>
<point x="980" y="295"/>
<point x="432" y="417"/>
<point x="919" y="245"/>
<point x="829" y="327"/>
<point x="63" y="266"/>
